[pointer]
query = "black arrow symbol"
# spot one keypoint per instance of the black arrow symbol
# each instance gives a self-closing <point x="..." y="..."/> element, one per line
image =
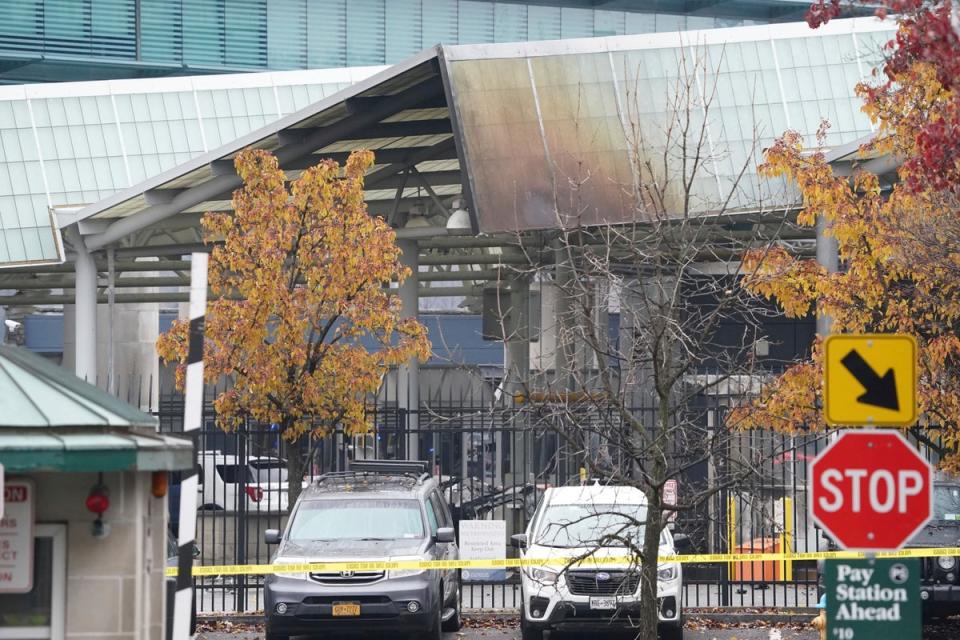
<point x="880" y="392"/>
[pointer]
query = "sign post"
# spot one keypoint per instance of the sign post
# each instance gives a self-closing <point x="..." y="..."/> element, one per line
<point x="871" y="490"/>
<point x="873" y="599"/>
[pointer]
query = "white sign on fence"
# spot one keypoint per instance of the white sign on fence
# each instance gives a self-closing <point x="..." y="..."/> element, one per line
<point x="16" y="537"/>
<point x="483" y="540"/>
<point x="670" y="497"/>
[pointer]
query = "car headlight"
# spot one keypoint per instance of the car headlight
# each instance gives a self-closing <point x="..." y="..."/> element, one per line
<point x="667" y="573"/>
<point x="947" y="563"/>
<point x="543" y="576"/>
<point x="296" y="575"/>
<point x="404" y="573"/>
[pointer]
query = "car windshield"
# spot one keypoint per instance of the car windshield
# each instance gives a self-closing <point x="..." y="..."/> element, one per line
<point x="268" y="470"/>
<point x="946" y="502"/>
<point x="572" y="526"/>
<point x="354" y="519"/>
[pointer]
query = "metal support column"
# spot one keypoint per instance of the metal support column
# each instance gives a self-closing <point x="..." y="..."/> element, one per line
<point x="111" y="309"/>
<point x="828" y="255"/>
<point x="516" y="381"/>
<point x="408" y="375"/>
<point x="85" y="269"/>
<point x="516" y="345"/>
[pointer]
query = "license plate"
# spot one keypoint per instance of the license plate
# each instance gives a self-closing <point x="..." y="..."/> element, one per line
<point x="603" y="603"/>
<point x="345" y="609"/>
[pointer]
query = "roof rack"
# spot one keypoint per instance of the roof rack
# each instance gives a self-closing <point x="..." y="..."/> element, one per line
<point x="407" y="472"/>
<point x="390" y="467"/>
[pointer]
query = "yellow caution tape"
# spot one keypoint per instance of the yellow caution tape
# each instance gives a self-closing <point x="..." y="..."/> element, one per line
<point x="513" y="563"/>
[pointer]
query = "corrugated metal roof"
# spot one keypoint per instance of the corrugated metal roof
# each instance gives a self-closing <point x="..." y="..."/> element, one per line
<point x="50" y="420"/>
<point x="35" y="393"/>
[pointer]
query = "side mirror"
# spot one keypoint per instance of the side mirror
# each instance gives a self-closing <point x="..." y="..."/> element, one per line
<point x="519" y="540"/>
<point x="271" y="536"/>
<point x="446" y="534"/>
<point x="196" y="551"/>
<point x="681" y="542"/>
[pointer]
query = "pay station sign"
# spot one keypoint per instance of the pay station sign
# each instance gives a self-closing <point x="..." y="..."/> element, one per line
<point x="873" y="599"/>
<point x="16" y="537"/>
<point x="870" y="379"/>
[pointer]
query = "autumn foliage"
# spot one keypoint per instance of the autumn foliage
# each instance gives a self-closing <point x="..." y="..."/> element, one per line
<point x="928" y="35"/>
<point x="899" y="253"/>
<point x="302" y="321"/>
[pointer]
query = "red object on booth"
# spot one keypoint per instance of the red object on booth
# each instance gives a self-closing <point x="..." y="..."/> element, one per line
<point x="98" y="501"/>
<point x="871" y="490"/>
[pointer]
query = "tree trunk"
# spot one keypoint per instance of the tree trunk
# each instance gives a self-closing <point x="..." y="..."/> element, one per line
<point x="648" y="568"/>
<point x="654" y="524"/>
<point x="296" y="468"/>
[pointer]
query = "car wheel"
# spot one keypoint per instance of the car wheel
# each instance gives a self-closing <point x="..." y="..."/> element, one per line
<point x="435" y="632"/>
<point x="453" y="623"/>
<point x="526" y="631"/>
<point x="671" y="631"/>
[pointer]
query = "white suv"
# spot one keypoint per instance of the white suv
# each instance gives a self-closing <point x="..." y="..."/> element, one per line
<point x="568" y="523"/>
<point x="258" y="485"/>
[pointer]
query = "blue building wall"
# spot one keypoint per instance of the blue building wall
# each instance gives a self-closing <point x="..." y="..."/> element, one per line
<point x="43" y="333"/>
<point x="57" y="40"/>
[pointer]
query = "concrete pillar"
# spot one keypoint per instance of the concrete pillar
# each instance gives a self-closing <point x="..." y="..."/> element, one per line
<point x="828" y="255"/>
<point x="85" y="309"/>
<point x="408" y="375"/>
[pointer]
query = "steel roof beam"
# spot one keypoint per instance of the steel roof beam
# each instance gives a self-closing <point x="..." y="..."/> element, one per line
<point x="422" y="154"/>
<point x="218" y="185"/>
<point x="381" y="156"/>
<point x="433" y="178"/>
<point x="119" y="267"/>
<point x="65" y="281"/>
<point x="401" y="129"/>
<point x="184" y="296"/>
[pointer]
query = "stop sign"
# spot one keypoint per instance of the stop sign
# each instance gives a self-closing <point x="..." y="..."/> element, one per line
<point x="871" y="490"/>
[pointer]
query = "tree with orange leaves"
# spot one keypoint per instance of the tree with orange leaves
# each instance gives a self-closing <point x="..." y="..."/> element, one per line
<point x="899" y="255"/>
<point x="300" y="278"/>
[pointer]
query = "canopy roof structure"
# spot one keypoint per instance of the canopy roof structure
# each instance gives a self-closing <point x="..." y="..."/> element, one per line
<point x="52" y="420"/>
<point x="520" y="131"/>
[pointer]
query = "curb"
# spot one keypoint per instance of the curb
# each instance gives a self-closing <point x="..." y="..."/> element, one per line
<point x="786" y="616"/>
<point x="799" y="615"/>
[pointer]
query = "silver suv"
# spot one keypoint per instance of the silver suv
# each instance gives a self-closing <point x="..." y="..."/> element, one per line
<point x="385" y="510"/>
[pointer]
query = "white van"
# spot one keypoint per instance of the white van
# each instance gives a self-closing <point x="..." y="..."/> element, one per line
<point x="569" y="522"/>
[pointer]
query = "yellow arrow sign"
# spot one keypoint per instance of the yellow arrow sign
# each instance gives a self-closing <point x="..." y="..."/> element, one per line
<point x="870" y="379"/>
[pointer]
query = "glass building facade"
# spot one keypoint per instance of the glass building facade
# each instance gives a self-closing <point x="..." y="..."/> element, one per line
<point x="75" y="143"/>
<point x="61" y="40"/>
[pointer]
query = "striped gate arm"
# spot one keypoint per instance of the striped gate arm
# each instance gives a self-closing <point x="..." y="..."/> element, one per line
<point x="192" y="418"/>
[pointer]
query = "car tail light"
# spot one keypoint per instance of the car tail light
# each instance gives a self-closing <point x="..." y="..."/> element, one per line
<point x="255" y="493"/>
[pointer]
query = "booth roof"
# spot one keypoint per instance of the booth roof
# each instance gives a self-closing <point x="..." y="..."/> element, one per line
<point x="52" y="420"/>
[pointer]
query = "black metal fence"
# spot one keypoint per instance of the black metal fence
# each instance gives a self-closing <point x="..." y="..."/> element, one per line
<point x="494" y="458"/>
